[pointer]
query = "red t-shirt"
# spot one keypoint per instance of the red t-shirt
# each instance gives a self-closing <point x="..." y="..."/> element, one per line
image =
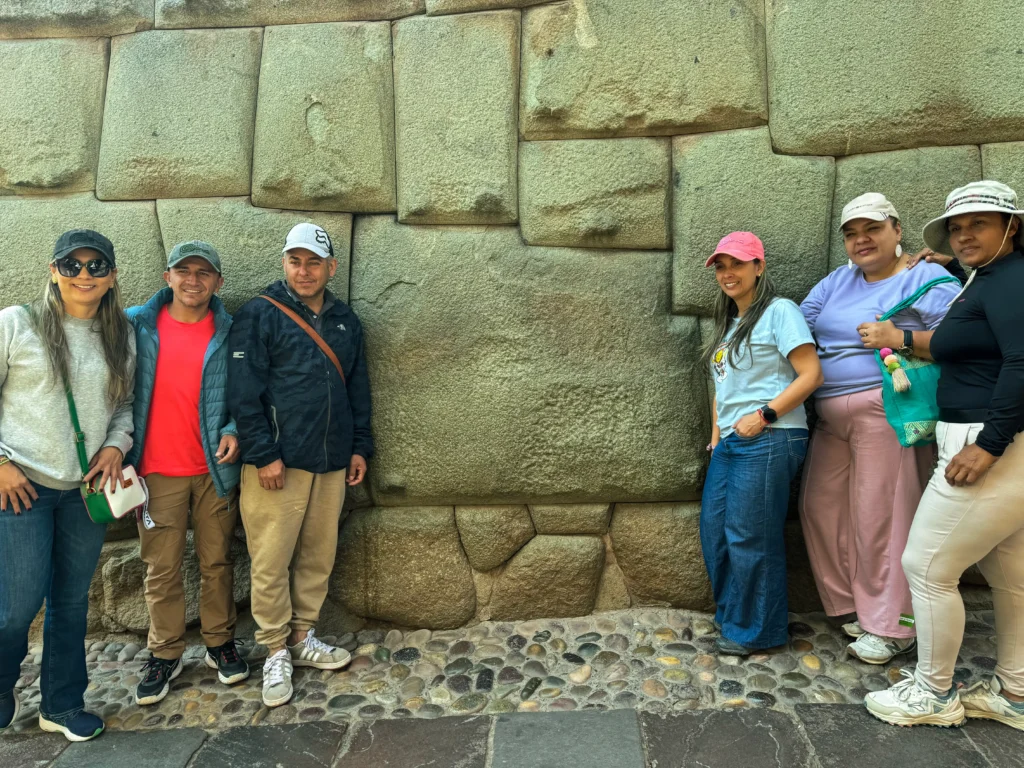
<point x="173" y="442"/>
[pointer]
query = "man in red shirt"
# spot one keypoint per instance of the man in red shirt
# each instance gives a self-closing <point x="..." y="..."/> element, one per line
<point x="186" y="448"/>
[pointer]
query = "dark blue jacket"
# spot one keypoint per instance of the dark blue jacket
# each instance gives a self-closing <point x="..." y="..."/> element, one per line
<point x="286" y="395"/>
<point x="214" y="421"/>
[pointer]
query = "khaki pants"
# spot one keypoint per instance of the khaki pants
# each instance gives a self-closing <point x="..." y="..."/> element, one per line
<point x="953" y="529"/>
<point x="163" y="548"/>
<point x="293" y="539"/>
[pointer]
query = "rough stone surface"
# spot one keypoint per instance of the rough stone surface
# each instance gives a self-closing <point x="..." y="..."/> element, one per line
<point x="733" y="181"/>
<point x="579" y="739"/>
<point x="175" y="748"/>
<point x="31" y="226"/>
<point x="405" y="566"/>
<point x="325" y="126"/>
<point x="571" y="518"/>
<point x="455" y="111"/>
<point x="915" y="180"/>
<point x="306" y="745"/>
<point x="611" y="193"/>
<point x="73" y="18"/>
<point x="546" y="371"/>
<point x="657" y="546"/>
<point x="244" y="13"/>
<point x="249" y="240"/>
<point x="1005" y="163"/>
<point x="940" y="87"/>
<point x="612" y="593"/>
<point x="52" y="92"/>
<point x="491" y="535"/>
<point x="550" y="576"/>
<point x="441" y="7"/>
<point x="642" y="67"/>
<point x="178" y="120"/>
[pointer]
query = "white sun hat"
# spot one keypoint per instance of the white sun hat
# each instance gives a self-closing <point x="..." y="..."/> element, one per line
<point x="972" y="198"/>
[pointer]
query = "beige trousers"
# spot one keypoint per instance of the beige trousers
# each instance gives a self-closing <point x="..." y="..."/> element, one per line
<point x="953" y="529"/>
<point x="163" y="547"/>
<point x="293" y="539"/>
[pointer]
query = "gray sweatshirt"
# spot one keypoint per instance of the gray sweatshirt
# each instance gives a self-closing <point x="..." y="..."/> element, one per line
<point x="35" y="425"/>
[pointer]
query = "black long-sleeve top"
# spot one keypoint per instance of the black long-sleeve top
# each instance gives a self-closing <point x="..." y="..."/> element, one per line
<point x="980" y="347"/>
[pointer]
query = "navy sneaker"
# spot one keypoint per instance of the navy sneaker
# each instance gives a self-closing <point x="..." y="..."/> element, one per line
<point x="231" y="668"/>
<point x="10" y="706"/>
<point x="78" y="726"/>
<point x="156" y="680"/>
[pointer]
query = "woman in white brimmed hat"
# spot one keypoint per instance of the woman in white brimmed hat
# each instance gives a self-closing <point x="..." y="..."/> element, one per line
<point x="973" y="508"/>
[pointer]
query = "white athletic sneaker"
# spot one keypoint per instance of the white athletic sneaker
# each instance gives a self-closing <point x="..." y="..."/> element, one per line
<point x="312" y="652"/>
<point x="880" y="650"/>
<point x="277" y="679"/>
<point x="910" y="703"/>
<point x="853" y="629"/>
<point x="983" y="701"/>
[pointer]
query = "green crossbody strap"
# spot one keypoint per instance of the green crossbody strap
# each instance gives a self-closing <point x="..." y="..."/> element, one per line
<point x="911" y="300"/>
<point x="83" y="460"/>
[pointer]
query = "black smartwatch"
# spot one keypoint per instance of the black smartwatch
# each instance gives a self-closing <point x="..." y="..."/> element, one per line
<point x="908" y="342"/>
<point x="768" y="414"/>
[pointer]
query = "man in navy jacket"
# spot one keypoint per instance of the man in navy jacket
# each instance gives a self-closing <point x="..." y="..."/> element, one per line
<point x="304" y="433"/>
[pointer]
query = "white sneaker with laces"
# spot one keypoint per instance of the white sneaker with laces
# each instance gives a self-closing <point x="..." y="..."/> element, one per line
<point x="910" y="703"/>
<point x="875" y="649"/>
<point x="853" y="629"/>
<point x="984" y="701"/>
<point x="277" y="679"/>
<point x="313" y="652"/>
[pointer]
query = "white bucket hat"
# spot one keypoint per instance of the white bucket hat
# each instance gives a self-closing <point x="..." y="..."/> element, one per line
<point x="972" y="198"/>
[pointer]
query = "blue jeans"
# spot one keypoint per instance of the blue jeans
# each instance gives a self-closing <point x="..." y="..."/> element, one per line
<point x="742" y="532"/>
<point x="49" y="551"/>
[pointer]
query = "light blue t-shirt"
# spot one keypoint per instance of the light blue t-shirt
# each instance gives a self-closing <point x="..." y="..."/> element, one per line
<point x="762" y="370"/>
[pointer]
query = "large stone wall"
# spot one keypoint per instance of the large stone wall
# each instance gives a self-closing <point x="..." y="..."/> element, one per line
<point x="522" y="193"/>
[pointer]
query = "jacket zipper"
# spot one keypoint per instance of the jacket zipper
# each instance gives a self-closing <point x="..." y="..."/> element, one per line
<point x="273" y="418"/>
<point x="327" y="429"/>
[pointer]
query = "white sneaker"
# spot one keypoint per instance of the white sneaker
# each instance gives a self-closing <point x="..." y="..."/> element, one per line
<point x="312" y="652"/>
<point x="983" y="701"/>
<point x="277" y="679"/>
<point x="880" y="650"/>
<point x="910" y="703"/>
<point x="853" y="629"/>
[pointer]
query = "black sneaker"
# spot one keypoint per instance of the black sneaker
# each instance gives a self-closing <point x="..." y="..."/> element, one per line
<point x="10" y="706"/>
<point x="78" y="726"/>
<point x="231" y="668"/>
<point x="156" y="680"/>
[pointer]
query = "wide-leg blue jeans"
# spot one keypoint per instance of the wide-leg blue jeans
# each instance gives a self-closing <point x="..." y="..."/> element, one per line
<point x="742" y="532"/>
<point x="49" y="551"/>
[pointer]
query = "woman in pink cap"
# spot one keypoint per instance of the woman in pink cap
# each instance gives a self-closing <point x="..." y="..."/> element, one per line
<point x="764" y="366"/>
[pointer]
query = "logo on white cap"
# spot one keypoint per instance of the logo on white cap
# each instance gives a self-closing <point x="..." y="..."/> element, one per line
<point x="312" y="238"/>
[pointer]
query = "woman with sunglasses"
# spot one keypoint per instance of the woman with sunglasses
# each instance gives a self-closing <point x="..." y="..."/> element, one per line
<point x="75" y="335"/>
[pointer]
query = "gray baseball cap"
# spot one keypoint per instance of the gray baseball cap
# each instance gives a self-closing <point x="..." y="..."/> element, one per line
<point x="182" y="251"/>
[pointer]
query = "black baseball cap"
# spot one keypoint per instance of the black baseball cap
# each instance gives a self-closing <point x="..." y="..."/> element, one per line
<point x="84" y="238"/>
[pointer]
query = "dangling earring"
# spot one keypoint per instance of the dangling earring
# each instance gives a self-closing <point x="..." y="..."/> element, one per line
<point x="899" y="251"/>
<point x="53" y="279"/>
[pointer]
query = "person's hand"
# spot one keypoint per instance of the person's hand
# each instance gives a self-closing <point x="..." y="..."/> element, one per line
<point x="970" y="464"/>
<point x="272" y="476"/>
<point x="228" y="450"/>
<point x="880" y="335"/>
<point x="927" y="254"/>
<point x="107" y="465"/>
<point x="356" y="470"/>
<point x="15" y="489"/>
<point x="750" y="425"/>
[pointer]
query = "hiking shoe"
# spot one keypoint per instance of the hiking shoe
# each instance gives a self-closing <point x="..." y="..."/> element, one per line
<point x="910" y="703"/>
<point x="875" y="649"/>
<point x="277" y="679"/>
<point x="312" y="652"/>
<point x="156" y="680"/>
<point x="231" y="668"/>
<point x="10" y="706"/>
<point x="984" y="701"/>
<point x="729" y="648"/>
<point x="853" y="629"/>
<point x="78" y="726"/>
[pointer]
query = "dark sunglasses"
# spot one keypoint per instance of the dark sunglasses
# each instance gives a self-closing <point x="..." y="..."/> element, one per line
<point x="70" y="267"/>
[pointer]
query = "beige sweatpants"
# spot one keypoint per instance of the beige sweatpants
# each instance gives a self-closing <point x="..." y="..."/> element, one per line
<point x="954" y="528"/>
<point x="292" y="535"/>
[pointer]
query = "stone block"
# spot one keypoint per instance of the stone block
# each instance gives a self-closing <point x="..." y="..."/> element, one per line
<point x="642" y="68"/>
<point x="31" y="226"/>
<point x="801" y="588"/>
<point x="52" y="91"/>
<point x="943" y="82"/>
<point x="441" y="7"/>
<point x="657" y="546"/>
<point x="73" y="18"/>
<point x="179" y="114"/>
<point x="492" y="534"/>
<point x="733" y="181"/>
<point x="915" y="180"/>
<point x="553" y="375"/>
<point x="589" y="739"/>
<point x="612" y="592"/>
<point x="404" y="566"/>
<point x="455" y="114"/>
<point x="571" y="518"/>
<point x="250" y="240"/>
<point x="551" y="577"/>
<point x="598" y="193"/>
<point x="244" y="13"/>
<point x="1005" y="163"/>
<point x="167" y="748"/>
<point x="325" y="127"/>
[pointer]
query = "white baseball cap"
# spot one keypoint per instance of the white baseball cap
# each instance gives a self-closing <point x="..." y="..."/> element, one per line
<point x="312" y="238"/>
<point x="870" y="205"/>
<point x="971" y="198"/>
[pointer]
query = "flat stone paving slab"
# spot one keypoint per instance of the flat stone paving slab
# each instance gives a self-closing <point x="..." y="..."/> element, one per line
<point x="1002" y="746"/>
<point x="568" y="740"/>
<point x="31" y="751"/>
<point x="154" y="749"/>
<point x="450" y="742"/>
<point x="305" y="745"/>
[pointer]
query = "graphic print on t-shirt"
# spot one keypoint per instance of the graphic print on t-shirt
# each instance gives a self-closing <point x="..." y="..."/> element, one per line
<point x="718" y="362"/>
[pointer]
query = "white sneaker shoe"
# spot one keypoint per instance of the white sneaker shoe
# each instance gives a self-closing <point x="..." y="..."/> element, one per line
<point x="910" y="703"/>
<point x="853" y="629"/>
<point x="983" y="701"/>
<point x="313" y="652"/>
<point x="277" y="679"/>
<point x="880" y="650"/>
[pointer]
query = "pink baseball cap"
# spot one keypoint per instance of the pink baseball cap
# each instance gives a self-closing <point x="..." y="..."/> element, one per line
<point x="745" y="246"/>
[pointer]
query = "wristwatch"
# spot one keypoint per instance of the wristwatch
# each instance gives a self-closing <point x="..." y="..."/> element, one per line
<point x="908" y="342"/>
<point x="767" y="413"/>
